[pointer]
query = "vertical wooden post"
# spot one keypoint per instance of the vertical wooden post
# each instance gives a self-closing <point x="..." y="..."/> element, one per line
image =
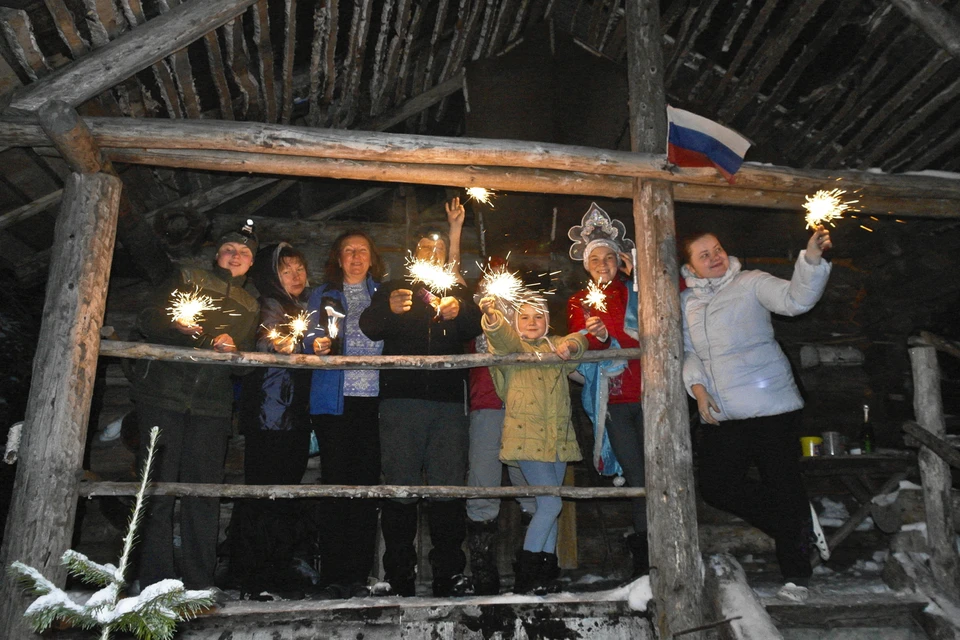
<point x="40" y="523"/>
<point x="676" y="573"/>
<point x="935" y="471"/>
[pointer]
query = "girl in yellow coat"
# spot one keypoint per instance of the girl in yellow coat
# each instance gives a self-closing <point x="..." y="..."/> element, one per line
<point x="537" y="432"/>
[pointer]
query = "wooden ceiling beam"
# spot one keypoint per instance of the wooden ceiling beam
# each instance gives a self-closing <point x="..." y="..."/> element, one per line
<point x="404" y="83"/>
<point x="323" y="70"/>
<point x="261" y="35"/>
<point x="289" y="51"/>
<point x="941" y="25"/>
<point x="356" y="56"/>
<point x="756" y="28"/>
<point x="29" y="210"/>
<point x="768" y="57"/>
<point x="135" y="50"/>
<point x="67" y="28"/>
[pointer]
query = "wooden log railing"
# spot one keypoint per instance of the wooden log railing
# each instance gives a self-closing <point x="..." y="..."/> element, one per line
<point x="120" y="349"/>
<point x="91" y="489"/>
<point x="938" y="445"/>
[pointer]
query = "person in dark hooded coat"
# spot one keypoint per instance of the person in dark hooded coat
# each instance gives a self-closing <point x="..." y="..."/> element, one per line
<point x="274" y="419"/>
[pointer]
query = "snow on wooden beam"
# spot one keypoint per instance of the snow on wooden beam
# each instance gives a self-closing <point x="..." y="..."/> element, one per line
<point x="134" y="51"/>
<point x="732" y="600"/>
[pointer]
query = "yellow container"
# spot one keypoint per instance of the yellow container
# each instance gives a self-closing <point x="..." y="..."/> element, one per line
<point x="811" y="446"/>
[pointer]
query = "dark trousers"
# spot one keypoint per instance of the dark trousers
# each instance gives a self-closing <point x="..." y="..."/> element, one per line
<point x="777" y="504"/>
<point x="625" y="429"/>
<point x="424" y="439"/>
<point x="266" y="535"/>
<point x="350" y="455"/>
<point x="189" y="449"/>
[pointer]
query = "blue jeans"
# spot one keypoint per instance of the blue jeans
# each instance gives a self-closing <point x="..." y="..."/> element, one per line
<point x="486" y="470"/>
<point x="542" y="532"/>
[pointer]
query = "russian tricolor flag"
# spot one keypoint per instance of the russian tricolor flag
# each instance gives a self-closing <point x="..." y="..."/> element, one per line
<point x="694" y="141"/>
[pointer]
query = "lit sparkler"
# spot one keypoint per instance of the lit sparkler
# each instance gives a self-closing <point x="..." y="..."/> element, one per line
<point x="438" y="278"/>
<point x="508" y="289"/>
<point x="187" y="308"/>
<point x="479" y="194"/>
<point x="298" y="327"/>
<point x="596" y="297"/>
<point x="825" y="207"/>
<point x="333" y="318"/>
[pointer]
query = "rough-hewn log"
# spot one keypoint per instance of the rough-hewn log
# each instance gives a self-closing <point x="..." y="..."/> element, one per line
<point x="28" y="210"/>
<point x="289" y="49"/>
<point x="935" y="472"/>
<point x="120" y="349"/>
<point x="66" y="27"/>
<point x="676" y="567"/>
<point x="415" y="105"/>
<point x="261" y="35"/>
<point x="731" y="598"/>
<point x="202" y="201"/>
<point x="941" y="344"/>
<point x="347" y="491"/>
<point x="71" y="137"/>
<point x="40" y="523"/>
<point x="941" y="25"/>
<point x="218" y="74"/>
<point x="348" y="204"/>
<point x="130" y="53"/>
<point x="507" y="179"/>
<point x="938" y="445"/>
<point x="18" y="30"/>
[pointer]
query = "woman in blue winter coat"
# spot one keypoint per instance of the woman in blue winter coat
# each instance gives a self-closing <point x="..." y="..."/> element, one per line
<point x="344" y="408"/>
<point x="746" y="395"/>
<point x="267" y="534"/>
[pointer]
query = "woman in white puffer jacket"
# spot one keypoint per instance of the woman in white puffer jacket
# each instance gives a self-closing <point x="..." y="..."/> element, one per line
<point x="744" y="387"/>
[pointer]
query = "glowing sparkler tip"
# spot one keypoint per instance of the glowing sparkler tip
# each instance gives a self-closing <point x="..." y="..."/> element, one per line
<point x="437" y="278"/>
<point x="825" y="207"/>
<point x="187" y="307"/>
<point x="480" y="194"/>
<point x="596" y="297"/>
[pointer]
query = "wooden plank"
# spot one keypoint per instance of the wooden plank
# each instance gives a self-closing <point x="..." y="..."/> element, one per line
<point x="378" y="76"/>
<point x="207" y="199"/>
<point x="29" y="210"/>
<point x="320" y="51"/>
<point x="892" y="108"/>
<point x="811" y="50"/>
<point x="218" y="74"/>
<point x="688" y="38"/>
<point x="356" y="56"/>
<point x="756" y="28"/>
<point x="130" y="53"/>
<point x="179" y="63"/>
<point x="261" y="35"/>
<point x="9" y="82"/>
<point x="945" y="130"/>
<point x="936" y="444"/>
<point x="400" y="41"/>
<point x="40" y="523"/>
<point x="18" y="31"/>
<point x="289" y="51"/>
<point x="67" y="28"/>
<point x="768" y="57"/>
<point x="942" y="26"/>
<point x="348" y="205"/>
<point x="935" y="472"/>
<point x="415" y="105"/>
<point x="238" y="55"/>
<point x="507" y="11"/>
<point x="250" y="208"/>
<point x="677" y="582"/>
<point x="404" y="83"/>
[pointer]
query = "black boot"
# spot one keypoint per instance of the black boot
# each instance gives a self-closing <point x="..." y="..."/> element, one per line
<point x="526" y="571"/>
<point x="398" y="522"/>
<point x="547" y="574"/>
<point x="640" y="550"/>
<point x="448" y="529"/>
<point x="482" y="540"/>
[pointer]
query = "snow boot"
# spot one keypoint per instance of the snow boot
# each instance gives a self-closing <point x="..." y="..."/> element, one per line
<point x="547" y="574"/>
<point x="640" y="551"/>
<point x="482" y="538"/>
<point x="448" y="529"/>
<point x="398" y="522"/>
<point x="526" y="571"/>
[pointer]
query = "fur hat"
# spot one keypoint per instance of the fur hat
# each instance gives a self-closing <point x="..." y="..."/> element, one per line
<point x="595" y="230"/>
<point x="245" y="236"/>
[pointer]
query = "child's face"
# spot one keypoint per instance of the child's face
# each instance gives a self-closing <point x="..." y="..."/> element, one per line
<point x="531" y="322"/>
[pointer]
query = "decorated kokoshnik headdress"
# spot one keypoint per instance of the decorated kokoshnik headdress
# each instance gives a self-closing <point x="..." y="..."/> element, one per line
<point x="598" y="229"/>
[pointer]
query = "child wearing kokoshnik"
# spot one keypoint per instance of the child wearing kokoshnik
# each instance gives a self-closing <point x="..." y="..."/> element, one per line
<point x="537" y="432"/>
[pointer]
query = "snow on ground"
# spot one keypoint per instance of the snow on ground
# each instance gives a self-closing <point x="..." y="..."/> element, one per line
<point x="835" y="514"/>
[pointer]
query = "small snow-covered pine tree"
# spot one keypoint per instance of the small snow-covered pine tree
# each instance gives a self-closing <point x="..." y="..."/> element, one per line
<point x="153" y="615"/>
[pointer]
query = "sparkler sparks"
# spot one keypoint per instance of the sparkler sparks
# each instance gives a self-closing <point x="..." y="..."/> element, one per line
<point x="298" y="327"/>
<point x="825" y="207"/>
<point x="187" y="307"/>
<point x="479" y="194"/>
<point x="435" y="277"/>
<point x="596" y="297"/>
<point x="508" y="289"/>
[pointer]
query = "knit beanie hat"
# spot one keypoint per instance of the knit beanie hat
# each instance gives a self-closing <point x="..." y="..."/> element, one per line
<point x="244" y="236"/>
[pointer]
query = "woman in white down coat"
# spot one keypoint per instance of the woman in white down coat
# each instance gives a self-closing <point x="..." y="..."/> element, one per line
<point x="744" y="387"/>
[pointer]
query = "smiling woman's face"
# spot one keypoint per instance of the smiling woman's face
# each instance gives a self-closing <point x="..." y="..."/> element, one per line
<point x="707" y="257"/>
<point x="602" y="264"/>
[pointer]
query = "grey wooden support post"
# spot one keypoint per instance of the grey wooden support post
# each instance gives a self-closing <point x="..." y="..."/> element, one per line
<point x="676" y="573"/>
<point x="40" y="522"/>
<point x="935" y="472"/>
<point x="76" y="144"/>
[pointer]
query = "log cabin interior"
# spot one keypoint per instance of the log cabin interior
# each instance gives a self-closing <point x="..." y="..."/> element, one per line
<point x="313" y="117"/>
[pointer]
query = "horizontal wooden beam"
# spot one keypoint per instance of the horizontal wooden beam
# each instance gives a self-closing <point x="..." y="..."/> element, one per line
<point x="506" y="179"/>
<point x="304" y="142"/>
<point x="938" y="445"/>
<point x="134" y="51"/>
<point x="346" y="491"/>
<point x="120" y="349"/>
